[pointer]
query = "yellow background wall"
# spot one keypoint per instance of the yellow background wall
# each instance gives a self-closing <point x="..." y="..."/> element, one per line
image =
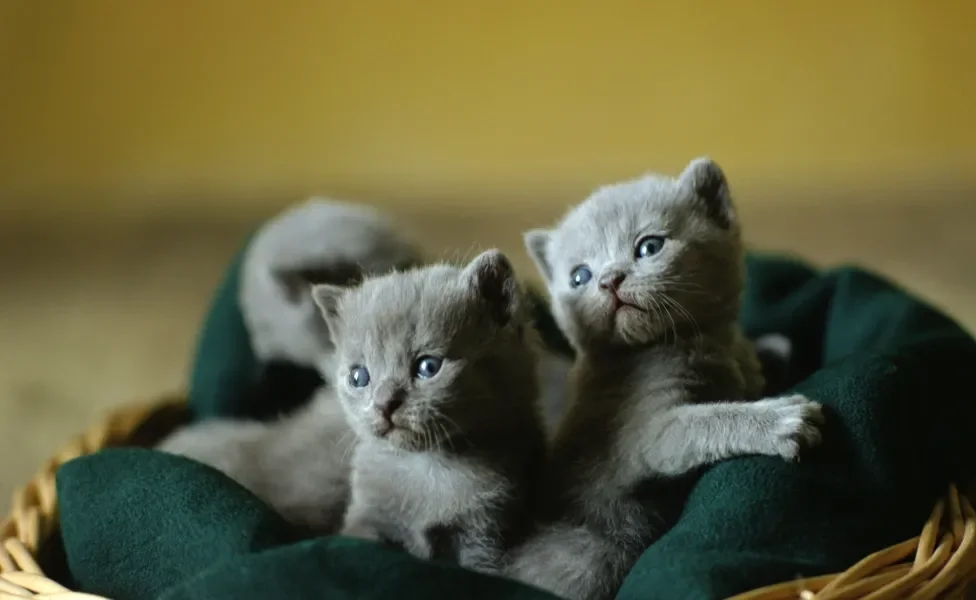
<point x="168" y="105"/>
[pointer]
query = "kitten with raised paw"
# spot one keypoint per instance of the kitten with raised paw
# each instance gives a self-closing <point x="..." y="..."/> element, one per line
<point x="436" y="370"/>
<point x="645" y="279"/>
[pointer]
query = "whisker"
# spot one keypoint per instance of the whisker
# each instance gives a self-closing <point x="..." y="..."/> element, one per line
<point x="457" y="428"/>
<point x="443" y="436"/>
<point x="447" y="434"/>
<point x="699" y="338"/>
<point x="435" y="442"/>
<point x="666" y="311"/>
<point x="656" y="307"/>
<point x="673" y="284"/>
<point x="347" y="449"/>
<point x="437" y="430"/>
<point x="428" y="439"/>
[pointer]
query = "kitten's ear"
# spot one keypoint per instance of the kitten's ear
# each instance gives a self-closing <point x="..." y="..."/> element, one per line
<point x="294" y="285"/>
<point x="705" y="178"/>
<point x="493" y="279"/>
<point x="326" y="297"/>
<point x="296" y="281"/>
<point x="537" y="245"/>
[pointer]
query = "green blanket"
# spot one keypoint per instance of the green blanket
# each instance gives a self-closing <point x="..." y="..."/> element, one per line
<point x="892" y="372"/>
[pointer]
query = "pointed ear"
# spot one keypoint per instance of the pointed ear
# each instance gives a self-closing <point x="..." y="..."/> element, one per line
<point x="537" y="245"/>
<point x="326" y="297"/>
<point x="705" y="178"/>
<point x="492" y="277"/>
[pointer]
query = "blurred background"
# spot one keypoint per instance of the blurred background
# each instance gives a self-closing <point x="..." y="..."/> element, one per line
<point x="139" y="141"/>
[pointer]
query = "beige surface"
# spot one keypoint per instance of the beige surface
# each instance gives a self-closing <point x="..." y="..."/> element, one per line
<point x="90" y="318"/>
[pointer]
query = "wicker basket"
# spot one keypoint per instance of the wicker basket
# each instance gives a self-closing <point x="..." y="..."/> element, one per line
<point x="938" y="563"/>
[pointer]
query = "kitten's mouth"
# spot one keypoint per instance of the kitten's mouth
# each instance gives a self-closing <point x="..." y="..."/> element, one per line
<point x="618" y="303"/>
<point x="399" y="437"/>
<point x="385" y="430"/>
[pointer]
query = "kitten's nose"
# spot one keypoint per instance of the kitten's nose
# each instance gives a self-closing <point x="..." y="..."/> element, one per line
<point x="611" y="280"/>
<point x="389" y="405"/>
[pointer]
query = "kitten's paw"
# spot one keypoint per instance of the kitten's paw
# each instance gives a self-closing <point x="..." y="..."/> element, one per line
<point x="796" y="424"/>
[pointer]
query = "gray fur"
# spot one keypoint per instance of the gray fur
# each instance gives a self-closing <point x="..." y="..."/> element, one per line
<point x="299" y="465"/>
<point x="452" y="479"/>
<point x="658" y="385"/>
<point x="553" y="373"/>
<point x="317" y="241"/>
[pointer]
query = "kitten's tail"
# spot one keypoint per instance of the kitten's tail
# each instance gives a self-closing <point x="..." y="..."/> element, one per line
<point x="573" y="562"/>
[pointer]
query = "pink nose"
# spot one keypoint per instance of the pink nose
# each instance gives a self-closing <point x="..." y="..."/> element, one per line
<point x="611" y="281"/>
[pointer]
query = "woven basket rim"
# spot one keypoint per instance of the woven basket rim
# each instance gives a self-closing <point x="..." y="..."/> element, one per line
<point x="938" y="563"/>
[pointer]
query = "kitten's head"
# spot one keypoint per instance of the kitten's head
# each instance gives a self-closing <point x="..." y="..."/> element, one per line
<point x="432" y="355"/>
<point x="317" y="241"/>
<point x="645" y="258"/>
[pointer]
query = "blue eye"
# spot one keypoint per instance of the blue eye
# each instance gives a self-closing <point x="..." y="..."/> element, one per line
<point x="649" y="246"/>
<point x="581" y="275"/>
<point x="428" y="366"/>
<point x="358" y="376"/>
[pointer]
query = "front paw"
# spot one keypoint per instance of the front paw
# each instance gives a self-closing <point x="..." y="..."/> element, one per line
<point x="795" y="424"/>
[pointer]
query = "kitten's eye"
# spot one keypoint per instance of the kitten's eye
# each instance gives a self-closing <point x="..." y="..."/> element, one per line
<point x="581" y="275"/>
<point x="428" y="366"/>
<point x="358" y="376"/>
<point x="649" y="246"/>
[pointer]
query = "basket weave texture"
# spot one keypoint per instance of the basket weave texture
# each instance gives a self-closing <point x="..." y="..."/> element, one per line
<point x="939" y="563"/>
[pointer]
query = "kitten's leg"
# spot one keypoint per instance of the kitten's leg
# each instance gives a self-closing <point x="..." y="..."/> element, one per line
<point x="480" y="549"/>
<point x="688" y="436"/>
<point x="571" y="562"/>
<point x="358" y="522"/>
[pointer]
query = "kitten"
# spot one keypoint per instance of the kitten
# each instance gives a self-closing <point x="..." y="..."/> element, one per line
<point x="298" y="463"/>
<point x="645" y="279"/>
<point x="437" y="374"/>
<point x="317" y="241"/>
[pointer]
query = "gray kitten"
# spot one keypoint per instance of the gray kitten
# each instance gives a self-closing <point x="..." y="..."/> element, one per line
<point x="437" y="374"/>
<point x="298" y="464"/>
<point x="317" y="241"/>
<point x="645" y="279"/>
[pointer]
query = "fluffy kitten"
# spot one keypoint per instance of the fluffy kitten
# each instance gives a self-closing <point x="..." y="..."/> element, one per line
<point x="298" y="464"/>
<point x="437" y="374"/>
<point x="645" y="279"/>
